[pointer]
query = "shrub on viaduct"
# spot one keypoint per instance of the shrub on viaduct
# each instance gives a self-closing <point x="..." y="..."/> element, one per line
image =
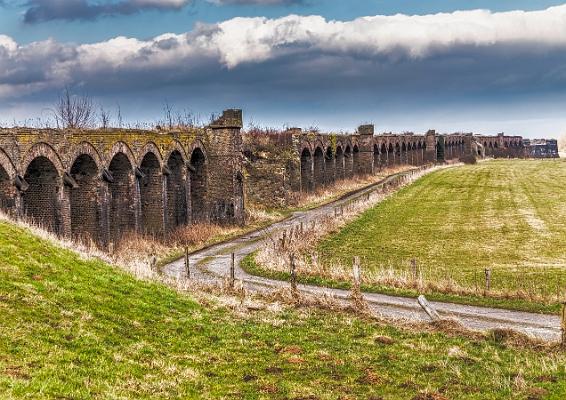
<point x="103" y="184"/>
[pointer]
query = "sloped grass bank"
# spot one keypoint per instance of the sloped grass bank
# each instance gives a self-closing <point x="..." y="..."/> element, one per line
<point x="506" y="216"/>
<point x="80" y="329"/>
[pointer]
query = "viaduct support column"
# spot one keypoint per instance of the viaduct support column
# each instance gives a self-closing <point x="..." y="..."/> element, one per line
<point x="430" y="147"/>
<point x="365" y="146"/>
<point x="226" y="189"/>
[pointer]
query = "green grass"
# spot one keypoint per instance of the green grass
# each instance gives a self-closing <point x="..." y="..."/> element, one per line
<point x="77" y="329"/>
<point x="252" y="267"/>
<point x="508" y="216"/>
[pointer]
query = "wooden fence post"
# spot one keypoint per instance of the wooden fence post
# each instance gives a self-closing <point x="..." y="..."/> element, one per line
<point x="414" y="269"/>
<point x="563" y="324"/>
<point x="232" y="271"/>
<point x="187" y="264"/>
<point x="487" y="279"/>
<point x="293" y="273"/>
<point x="429" y="309"/>
<point x="356" y="273"/>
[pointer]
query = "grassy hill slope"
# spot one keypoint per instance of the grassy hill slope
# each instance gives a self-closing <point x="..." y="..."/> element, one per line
<point x="508" y="216"/>
<point x="77" y="329"/>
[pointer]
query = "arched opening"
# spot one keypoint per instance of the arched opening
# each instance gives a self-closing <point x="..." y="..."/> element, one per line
<point x="85" y="210"/>
<point x="151" y="194"/>
<point x="122" y="213"/>
<point x="441" y="149"/>
<point x="398" y="159"/>
<point x="7" y="191"/>
<point x="198" y="186"/>
<point x="339" y="163"/>
<point x="348" y="163"/>
<point x="383" y="157"/>
<point x="404" y="154"/>
<point x="414" y="154"/>
<point x="391" y="155"/>
<point x="306" y="171"/>
<point x="41" y="201"/>
<point x="356" y="169"/>
<point x="329" y="167"/>
<point x="176" y="191"/>
<point x="318" y="168"/>
<point x="376" y="160"/>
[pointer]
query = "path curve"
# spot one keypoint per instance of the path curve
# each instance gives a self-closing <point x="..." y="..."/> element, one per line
<point x="214" y="266"/>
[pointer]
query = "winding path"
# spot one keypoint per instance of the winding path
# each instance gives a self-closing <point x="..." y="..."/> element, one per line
<point x="214" y="266"/>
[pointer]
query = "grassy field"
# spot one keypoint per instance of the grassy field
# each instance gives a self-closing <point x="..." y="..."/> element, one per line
<point x="78" y="329"/>
<point x="507" y="216"/>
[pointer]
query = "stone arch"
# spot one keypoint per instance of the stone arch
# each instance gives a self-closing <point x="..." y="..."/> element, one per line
<point x="150" y="147"/>
<point x="86" y="148"/>
<point x="46" y="151"/>
<point x="198" y="188"/>
<point x="124" y="149"/>
<point x="339" y="162"/>
<point x="390" y="155"/>
<point x="356" y="167"/>
<point x="42" y="199"/>
<point x="383" y="156"/>
<point x="306" y="170"/>
<point x="398" y="158"/>
<point x="122" y="193"/>
<point x="7" y="189"/>
<point x="84" y="198"/>
<point x="376" y="158"/>
<point x="176" y="190"/>
<point x="150" y="182"/>
<point x="318" y="168"/>
<point x="176" y="146"/>
<point x="348" y="162"/>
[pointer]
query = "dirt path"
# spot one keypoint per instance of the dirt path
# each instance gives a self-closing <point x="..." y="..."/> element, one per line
<point x="214" y="265"/>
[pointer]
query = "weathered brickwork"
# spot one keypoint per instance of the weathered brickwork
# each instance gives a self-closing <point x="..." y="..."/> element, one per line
<point x="102" y="184"/>
<point x="317" y="160"/>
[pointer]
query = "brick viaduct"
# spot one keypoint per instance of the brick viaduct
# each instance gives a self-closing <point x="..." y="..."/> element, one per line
<point x="296" y="161"/>
<point x="101" y="184"/>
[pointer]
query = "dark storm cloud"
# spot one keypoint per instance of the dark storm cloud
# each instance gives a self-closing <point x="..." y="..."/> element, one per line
<point x="48" y="10"/>
<point x="307" y="62"/>
<point x="257" y="2"/>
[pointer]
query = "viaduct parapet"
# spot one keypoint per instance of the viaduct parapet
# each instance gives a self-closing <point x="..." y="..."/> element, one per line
<point x="103" y="184"/>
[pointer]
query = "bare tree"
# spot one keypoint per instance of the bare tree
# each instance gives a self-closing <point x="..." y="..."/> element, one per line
<point x="104" y="117"/>
<point x="120" y="120"/>
<point x="74" y="112"/>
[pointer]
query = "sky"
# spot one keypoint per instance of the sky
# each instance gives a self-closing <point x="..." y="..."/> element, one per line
<point x="406" y="65"/>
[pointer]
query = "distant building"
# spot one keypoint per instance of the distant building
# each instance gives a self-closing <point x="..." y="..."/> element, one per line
<point x="541" y="148"/>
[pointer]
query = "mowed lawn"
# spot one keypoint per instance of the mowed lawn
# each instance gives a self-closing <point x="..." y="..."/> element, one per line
<point x="507" y="216"/>
<point x="76" y="329"/>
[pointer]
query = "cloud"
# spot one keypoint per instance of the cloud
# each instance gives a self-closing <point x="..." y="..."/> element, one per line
<point x="48" y="10"/>
<point x="377" y="61"/>
<point x="256" y="2"/>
